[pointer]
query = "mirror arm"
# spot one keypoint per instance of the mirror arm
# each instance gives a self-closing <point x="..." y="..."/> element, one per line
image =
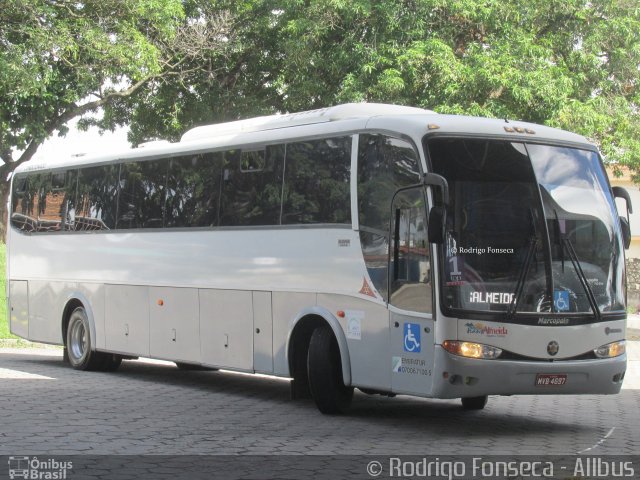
<point x="435" y="180"/>
<point x="619" y="192"/>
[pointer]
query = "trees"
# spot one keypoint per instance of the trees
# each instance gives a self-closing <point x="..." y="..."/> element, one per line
<point x="60" y="59"/>
<point x="162" y="66"/>
<point x="570" y="64"/>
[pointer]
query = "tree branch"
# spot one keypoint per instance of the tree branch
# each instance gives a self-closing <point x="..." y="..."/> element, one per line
<point x="69" y="114"/>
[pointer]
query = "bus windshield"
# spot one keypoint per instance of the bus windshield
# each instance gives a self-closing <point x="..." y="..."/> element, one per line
<point x="530" y="228"/>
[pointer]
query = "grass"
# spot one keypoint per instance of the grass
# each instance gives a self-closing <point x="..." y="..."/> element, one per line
<point x="4" y="319"/>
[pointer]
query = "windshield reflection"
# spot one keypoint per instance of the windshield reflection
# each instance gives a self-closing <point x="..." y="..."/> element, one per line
<point x="532" y="228"/>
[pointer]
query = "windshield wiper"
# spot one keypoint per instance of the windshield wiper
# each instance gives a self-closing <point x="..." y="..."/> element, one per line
<point x="524" y="271"/>
<point x="566" y="243"/>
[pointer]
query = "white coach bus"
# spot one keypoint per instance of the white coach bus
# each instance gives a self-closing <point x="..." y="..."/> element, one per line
<point x="380" y="247"/>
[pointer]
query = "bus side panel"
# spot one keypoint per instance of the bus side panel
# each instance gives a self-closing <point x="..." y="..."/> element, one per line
<point x="175" y="324"/>
<point x="286" y="307"/>
<point x="226" y="328"/>
<point x="263" y="333"/>
<point x="366" y="327"/>
<point x="93" y="294"/>
<point x="127" y="319"/>
<point x="45" y="311"/>
<point x="19" y="308"/>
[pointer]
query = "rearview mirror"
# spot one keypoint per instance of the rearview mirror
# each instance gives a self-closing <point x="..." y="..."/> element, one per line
<point x="625" y="224"/>
<point x="626" y="232"/>
<point x="437" y="225"/>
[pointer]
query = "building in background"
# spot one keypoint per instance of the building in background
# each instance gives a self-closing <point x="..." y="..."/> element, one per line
<point x="633" y="254"/>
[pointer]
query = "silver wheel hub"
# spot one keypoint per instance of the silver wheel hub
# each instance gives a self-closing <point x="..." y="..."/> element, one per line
<point x="78" y="338"/>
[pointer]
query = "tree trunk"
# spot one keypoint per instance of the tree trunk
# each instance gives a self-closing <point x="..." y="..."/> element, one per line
<point x="4" y="214"/>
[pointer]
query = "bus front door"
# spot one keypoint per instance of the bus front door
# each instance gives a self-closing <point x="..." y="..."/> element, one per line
<point x="411" y="330"/>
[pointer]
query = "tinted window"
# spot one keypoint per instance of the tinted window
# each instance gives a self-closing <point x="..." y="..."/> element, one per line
<point x="64" y="190"/>
<point x="97" y="198"/>
<point x="251" y="187"/>
<point x="142" y="194"/>
<point x="384" y="165"/>
<point x="193" y="191"/>
<point x="24" y="203"/>
<point x="316" y="187"/>
<point x="410" y="259"/>
<point x="44" y="202"/>
<point x="50" y="202"/>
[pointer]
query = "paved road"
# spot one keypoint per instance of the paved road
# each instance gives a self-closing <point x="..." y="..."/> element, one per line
<point x="153" y="408"/>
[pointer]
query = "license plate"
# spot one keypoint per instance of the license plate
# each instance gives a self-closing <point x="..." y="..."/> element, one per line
<point x="550" y="379"/>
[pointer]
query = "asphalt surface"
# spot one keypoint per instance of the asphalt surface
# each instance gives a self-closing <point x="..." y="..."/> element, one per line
<point x="151" y="407"/>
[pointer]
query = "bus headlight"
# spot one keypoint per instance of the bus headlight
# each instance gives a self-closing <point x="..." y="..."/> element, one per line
<point x="471" y="350"/>
<point x="610" y="350"/>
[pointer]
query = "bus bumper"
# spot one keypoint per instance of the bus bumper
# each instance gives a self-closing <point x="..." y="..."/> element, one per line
<point x="456" y="377"/>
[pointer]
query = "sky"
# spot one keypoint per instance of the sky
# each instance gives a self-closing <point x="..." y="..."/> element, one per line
<point x="81" y="142"/>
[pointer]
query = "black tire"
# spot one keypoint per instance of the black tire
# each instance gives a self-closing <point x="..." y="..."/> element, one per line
<point x="111" y="362"/>
<point x="194" y="367"/>
<point x="474" y="403"/>
<point x="78" y="343"/>
<point x="325" y="373"/>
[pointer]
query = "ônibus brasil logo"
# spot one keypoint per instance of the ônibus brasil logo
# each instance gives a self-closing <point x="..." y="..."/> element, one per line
<point x="33" y="468"/>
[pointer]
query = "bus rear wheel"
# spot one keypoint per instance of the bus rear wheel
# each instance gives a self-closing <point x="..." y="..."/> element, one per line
<point x="474" y="403"/>
<point x="78" y="346"/>
<point x="324" y="367"/>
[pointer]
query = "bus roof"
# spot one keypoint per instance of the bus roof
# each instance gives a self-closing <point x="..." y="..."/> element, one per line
<point x="326" y="121"/>
<point x="339" y="112"/>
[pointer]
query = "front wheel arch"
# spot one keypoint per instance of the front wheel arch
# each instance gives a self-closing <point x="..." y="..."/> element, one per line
<point x="73" y="301"/>
<point x="91" y="359"/>
<point x="300" y="332"/>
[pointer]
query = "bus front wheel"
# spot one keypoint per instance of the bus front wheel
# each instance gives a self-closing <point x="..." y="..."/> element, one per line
<point x="474" y="403"/>
<point x="324" y="367"/>
<point x="78" y="346"/>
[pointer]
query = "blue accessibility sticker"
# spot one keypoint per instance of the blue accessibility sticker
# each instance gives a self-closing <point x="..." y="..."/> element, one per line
<point x="412" y="337"/>
<point x="561" y="300"/>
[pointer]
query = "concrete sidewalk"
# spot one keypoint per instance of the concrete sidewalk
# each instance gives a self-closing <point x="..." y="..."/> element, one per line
<point x="632" y="377"/>
<point x="633" y="321"/>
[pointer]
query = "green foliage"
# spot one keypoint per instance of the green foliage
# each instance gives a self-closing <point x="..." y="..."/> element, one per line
<point x="4" y="318"/>
<point x="54" y="54"/>
<point x="570" y="64"/>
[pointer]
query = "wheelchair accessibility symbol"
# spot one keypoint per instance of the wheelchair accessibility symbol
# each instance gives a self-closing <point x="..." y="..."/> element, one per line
<point x="561" y="300"/>
<point x="412" y="337"/>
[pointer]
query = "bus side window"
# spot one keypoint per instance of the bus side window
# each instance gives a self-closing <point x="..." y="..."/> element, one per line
<point x="252" y="187"/>
<point x="23" y="215"/>
<point x="141" y="197"/>
<point x="69" y="191"/>
<point x="50" y="203"/>
<point x="193" y="190"/>
<point x="384" y="165"/>
<point x="316" y="184"/>
<point x="97" y="198"/>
